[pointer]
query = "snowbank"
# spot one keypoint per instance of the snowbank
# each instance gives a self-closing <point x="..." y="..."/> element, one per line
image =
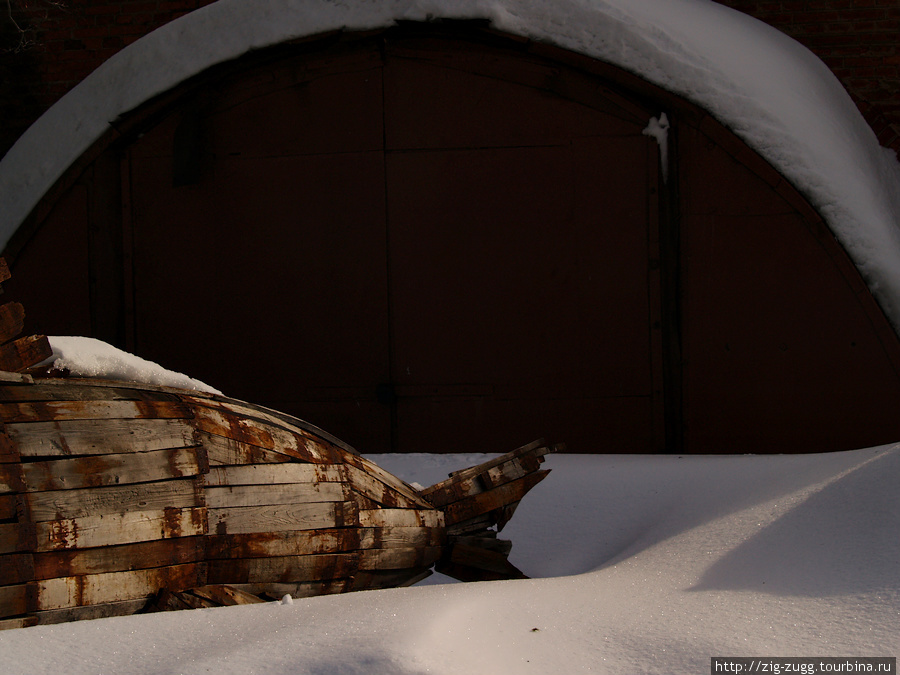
<point x="650" y="565"/>
<point x="769" y="89"/>
<point x="87" y="357"/>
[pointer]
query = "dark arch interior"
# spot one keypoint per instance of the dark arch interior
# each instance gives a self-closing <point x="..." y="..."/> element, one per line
<point x="436" y="238"/>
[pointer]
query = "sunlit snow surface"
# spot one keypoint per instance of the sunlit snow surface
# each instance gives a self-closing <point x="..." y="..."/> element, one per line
<point x="647" y="564"/>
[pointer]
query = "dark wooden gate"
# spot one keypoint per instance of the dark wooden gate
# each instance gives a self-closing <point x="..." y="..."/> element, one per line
<point x="441" y="239"/>
<point x="421" y="249"/>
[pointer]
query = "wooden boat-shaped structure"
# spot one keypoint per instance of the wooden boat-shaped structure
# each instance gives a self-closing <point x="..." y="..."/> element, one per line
<point x="117" y="498"/>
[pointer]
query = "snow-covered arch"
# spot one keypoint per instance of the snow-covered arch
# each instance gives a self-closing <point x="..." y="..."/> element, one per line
<point x="764" y="86"/>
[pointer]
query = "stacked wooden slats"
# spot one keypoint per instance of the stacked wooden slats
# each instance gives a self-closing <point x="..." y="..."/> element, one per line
<point x="113" y="493"/>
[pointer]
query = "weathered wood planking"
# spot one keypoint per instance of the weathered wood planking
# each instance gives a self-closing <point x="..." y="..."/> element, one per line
<point x="106" y="610"/>
<point x="144" y="555"/>
<point x="496" y="498"/>
<point x="378" y="491"/>
<point x="120" y="469"/>
<point x="12" y="320"/>
<point x="400" y="518"/>
<point x="23" y="353"/>
<point x="225" y="596"/>
<point x="82" y="390"/>
<point x="228" y="451"/>
<point x="401" y="537"/>
<point x="11" y="479"/>
<point x="16" y="537"/>
<point x="251" y="432"/>
<point x="276" y="494"/>
<point x="500" y="474"/>
<point x="18" y="622"/>
<point x="95" y="589"/>
<point x="288" y="543"/>
<point x="259" y="413"/>
<point x="282" y="517"/>
<point x="15" y="600"/>
<point x="388" y="479"/>
<point x="63" y="411"/>
<point x="278" y="473"/>
<point x="8" y="504"/>
<point x="283" y="568"/>
<point x="106" y="437"/>
<point x="80" y="503"/>
<point x="16" y="568"/>
<point x="398" y="558"/>
<point x="120" y="528"/>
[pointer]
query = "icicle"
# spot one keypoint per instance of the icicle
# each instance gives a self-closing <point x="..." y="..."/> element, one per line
<point x="659" y="129"/>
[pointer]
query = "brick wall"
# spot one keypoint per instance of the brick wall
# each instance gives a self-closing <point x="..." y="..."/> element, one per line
<point x="860" y="42"/>
<point x="61" y="42"/>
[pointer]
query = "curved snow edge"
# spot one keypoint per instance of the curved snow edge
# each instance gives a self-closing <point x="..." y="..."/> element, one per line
<point x="771" y="91"/>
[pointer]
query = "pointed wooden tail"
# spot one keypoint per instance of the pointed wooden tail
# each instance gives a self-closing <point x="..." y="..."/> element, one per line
<point x="477" y="499"/>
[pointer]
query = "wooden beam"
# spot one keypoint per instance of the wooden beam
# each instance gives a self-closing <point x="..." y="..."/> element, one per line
<point x="12" y="320"/>
<point x="272" y="474"/>
<point x="62" y="411"/>
<point x="120" y="528"/>
<point x="102" y="470"/>
<point x="144" y="555"/>
<point x="282" y="517"/>
<point x="95" y="589"/>
<point x="113" y="500"/>
<point x="275" y="494"/>
<point x="100" y="437"/>
<point x="24" y="353"/>
<point x="287" y="543"/>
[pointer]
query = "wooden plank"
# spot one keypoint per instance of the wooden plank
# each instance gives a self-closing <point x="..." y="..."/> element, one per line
<point x="12" y="320"/>
<point x="334" y="446"/>
<point x="100" y="437"/>
<point x="9" y="451"/>
<point x="401" y="518"/>
<point x="461" y="487"/>
<point x="401" y="537"/>
<point x="484" y="502"/>
<point x="282" y="517"/>
<point x="273" y="474"/>
<point x="16" y="537"/>
<point x="277" y="494"/>
<point x="381" y="493"/>
<point x="68" y="504"/>
<point x="267" y="436"/>
<point x="62" y="411"/>
<point x="15" y="378"/>
<point x="283" y="569"/>
<point x="72" y="389"/>
<point x="18" y="622"/>
<point x="11" y="478"/>
<point x="288" y="543"/>
<point x="228" y="451"/>
<point x="90" y="612"/>
<point x="144" y="555"/>
<point x="25" y="352"/>
<point x="7" y="506"/>
<point x="120" y="528"/>
<point x="95" y="589"/>
<point x="13" y="600"/>
<point x="226" y="596"/>
<point x="398" y="558"/>
<point x="103" y="470"/>
<point x="16" y="568"/>
<point x="388" y="479"/>
<point x="4" y="271"/>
